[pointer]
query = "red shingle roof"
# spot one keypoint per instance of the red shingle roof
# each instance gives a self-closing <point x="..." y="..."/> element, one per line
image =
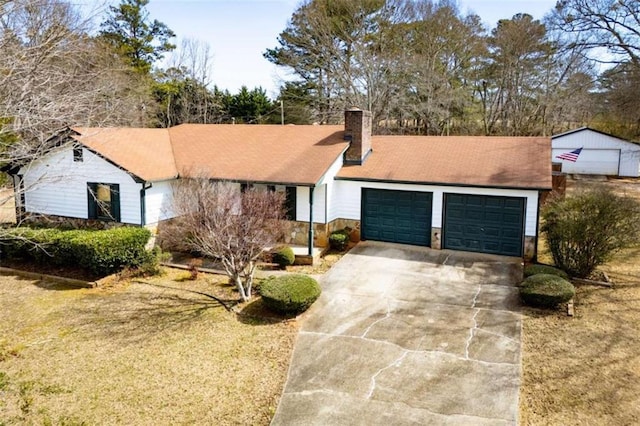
<point x="146" y="153"/>
<point x="510" y="162"/>
<point x="303" y="154"/>
<point x="259" y="153"/>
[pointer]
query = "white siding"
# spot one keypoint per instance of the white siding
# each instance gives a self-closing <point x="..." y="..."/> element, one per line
<point x="319" y="203"/>
<point x="158" y="201"/>
<point x="56" y="185"/>
<point x="629" y="161"/>
<point x="590" y="161"/>
<point x="329" y="181"/>
<point x="347" y="198"/>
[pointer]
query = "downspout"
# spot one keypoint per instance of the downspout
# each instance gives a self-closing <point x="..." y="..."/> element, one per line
<point x="143" y="203"/>
<point x="310" y="243"/>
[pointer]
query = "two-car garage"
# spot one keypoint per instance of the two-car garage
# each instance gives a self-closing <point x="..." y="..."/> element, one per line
<point x="471" y="222"/>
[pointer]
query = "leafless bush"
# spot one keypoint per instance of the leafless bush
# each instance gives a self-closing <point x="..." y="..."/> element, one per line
<point x="217" y="220"/>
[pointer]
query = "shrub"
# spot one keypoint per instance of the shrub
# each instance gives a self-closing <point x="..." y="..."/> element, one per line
<point x="101" y="252"/>
<point x="289" y="294"/>
<point x="339" y="240"/>
<point x="105" y="252"/>
<point x="546" y="290"/>
<point x="544" y="269"/>
<point x="283" y="256"/>
<point x="586" y="229"/>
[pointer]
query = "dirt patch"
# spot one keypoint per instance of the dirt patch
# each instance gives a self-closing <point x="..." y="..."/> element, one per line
<point x="153" y="352"/>
<point x="586" y="369"/>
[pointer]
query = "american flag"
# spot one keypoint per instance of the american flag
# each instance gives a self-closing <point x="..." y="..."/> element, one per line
<point x="570" y="156"/>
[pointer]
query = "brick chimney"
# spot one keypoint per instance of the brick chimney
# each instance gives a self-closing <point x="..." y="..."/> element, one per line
<point x="357" y="130"/>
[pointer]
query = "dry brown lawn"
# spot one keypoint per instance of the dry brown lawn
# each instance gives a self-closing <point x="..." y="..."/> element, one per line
<point x="585" y="370"/>
<point x="136" y="353"/>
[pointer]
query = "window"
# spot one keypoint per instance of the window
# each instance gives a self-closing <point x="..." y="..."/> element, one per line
<point x="104" y="201"/>
<point x="77" y="154"/>
<point x="290" y="203"/>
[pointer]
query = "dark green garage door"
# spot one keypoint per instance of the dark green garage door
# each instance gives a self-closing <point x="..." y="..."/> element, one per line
<point x="396" y="216"/>
<point x="483" y="223"/>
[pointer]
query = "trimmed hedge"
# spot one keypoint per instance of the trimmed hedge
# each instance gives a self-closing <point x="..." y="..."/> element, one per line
<point x="289" y="294"/>
<point x="101" y="252"/>
<point x="546" y="290"/>
<point x="283" y="256"/>
<point x="339" y="240"/>
<point x="544" y="269"/>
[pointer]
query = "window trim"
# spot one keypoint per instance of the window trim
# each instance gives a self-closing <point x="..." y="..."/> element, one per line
<point x="114" y="203"/>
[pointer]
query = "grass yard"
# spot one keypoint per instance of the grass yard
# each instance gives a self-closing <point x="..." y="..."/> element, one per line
<point x="585" y="370"/>
<point x="136" y="353"/>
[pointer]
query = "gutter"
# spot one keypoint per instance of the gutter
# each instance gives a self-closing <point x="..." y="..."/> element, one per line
<point x="458" y="185"/>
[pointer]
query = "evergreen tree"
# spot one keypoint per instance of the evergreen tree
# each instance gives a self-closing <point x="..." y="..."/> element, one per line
<point x="133" y="35"/>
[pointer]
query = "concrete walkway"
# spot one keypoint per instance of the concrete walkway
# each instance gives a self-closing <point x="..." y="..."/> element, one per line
<point x="405" y="335"/>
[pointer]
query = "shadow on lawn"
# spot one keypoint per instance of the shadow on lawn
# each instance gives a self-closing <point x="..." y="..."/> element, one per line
<point x="256" y="313"/>
<point x="135" y="316"/>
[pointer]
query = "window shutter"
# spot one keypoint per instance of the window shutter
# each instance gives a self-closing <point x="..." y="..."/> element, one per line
<point x="115" y="202"/>
<point x="290" y="203"/>
<point x="92" y="188"/>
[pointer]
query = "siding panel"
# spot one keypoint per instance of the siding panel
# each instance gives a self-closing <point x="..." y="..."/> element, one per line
<point x="59" y="186"/>
<point x="302" y="204"/>
<point x="158" y="202"/>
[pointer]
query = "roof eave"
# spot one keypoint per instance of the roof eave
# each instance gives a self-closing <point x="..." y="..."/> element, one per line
<point x="452" y="184"/>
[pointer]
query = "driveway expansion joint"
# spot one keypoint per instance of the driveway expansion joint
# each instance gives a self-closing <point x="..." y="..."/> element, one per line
<point x="409" y="351"/>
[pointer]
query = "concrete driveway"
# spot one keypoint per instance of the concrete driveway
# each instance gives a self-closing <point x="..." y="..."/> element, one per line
<point x="408" y="335"/>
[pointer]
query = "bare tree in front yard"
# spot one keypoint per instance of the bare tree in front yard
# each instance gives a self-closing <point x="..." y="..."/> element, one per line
<point x="219" y="221"/>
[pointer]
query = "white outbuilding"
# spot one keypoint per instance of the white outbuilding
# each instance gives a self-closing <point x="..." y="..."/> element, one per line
<point x="589" y="151"/>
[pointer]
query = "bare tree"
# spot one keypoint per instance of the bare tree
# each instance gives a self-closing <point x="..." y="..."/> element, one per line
<point x="53" y="75"/>
<point x="224" y="223"/>
<point x="613" y="25"/>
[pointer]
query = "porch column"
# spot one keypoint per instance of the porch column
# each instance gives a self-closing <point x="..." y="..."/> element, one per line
<point x="310" y="243"/>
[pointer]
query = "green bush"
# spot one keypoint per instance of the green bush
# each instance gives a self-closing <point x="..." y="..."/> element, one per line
<point x="584" y="230"/>
<point x="101" y="252"/>
<point x="283" y="256"/>
<point x="108" y="251"/>
<point x="339" y="240"/>
<point x="546" y="290"/>
<point x="289" y="294"/>
<point x="544" y="269"/>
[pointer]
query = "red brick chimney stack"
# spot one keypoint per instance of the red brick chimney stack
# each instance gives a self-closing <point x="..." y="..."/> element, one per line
<point x="357" y="130"/>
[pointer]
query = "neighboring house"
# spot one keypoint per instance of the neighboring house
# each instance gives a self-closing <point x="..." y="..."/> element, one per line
<point x="464" y="193"/>
<point x="601" y="154"/>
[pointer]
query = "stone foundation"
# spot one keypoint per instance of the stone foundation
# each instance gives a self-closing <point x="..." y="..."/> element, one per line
<point x="436" y="238"/>
<point x="297" y="233"/>
<point x="52" y="221"/>
<point x="529" y="248"/>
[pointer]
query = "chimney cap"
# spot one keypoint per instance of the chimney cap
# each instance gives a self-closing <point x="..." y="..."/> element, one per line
<point x="354" y="108"/>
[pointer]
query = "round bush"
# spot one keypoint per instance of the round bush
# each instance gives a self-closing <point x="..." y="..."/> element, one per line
<point x="546" y="290"/>
<point x="283" y="256"/>
<point x="289" y="294"/>
<point x="339" y="240"/>
<point x="544" y="269"/>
